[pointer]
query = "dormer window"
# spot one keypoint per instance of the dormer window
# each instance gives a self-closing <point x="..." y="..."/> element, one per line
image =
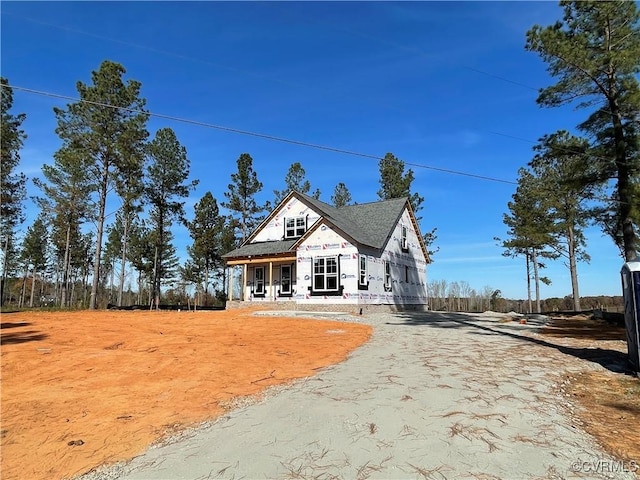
<point x="295" y="227"/>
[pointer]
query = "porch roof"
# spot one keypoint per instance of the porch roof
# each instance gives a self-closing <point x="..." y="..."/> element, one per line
<point x="262" y="248"/>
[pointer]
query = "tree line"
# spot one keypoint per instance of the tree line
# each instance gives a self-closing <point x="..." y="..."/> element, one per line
<point x="82" y="250"/>
<point x="459" y="296"/>
<point x="78" y="251"/>
<point x="592" y="177"/>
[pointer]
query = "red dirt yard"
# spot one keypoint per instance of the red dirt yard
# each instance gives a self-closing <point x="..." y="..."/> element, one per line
<point x="80" y="389"/>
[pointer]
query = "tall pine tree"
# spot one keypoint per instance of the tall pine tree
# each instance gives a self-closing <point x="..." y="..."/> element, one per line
<point x="34" y="251"/>
<point x="559" y="157"/>
<point x="206" y="230"/>
<point x="106" y="131"/>
<point x="167" y="186"/>
<point x="67" y="189"/>
<point x="396" y="183"/>
<point x="341" y="196"/>
<point x="241" y="199"/>
<point x="594" y="53"/>
<point x="12" y="183"/>
<point x="530" y="230"/>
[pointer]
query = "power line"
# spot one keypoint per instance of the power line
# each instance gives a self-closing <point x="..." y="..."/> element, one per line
<point x="414" y="50"/>
<point x="256" y="134"/>
<point x="276" y="138"/>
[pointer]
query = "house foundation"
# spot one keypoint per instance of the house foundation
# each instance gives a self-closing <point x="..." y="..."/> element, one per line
<point x="327" y="307"/>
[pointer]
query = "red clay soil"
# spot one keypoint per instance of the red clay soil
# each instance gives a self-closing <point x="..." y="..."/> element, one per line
<point x="85" y="388"/>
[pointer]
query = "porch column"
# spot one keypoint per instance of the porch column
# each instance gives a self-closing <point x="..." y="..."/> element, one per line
<point x="230" y="287"/>
<point x="271" y="289"/>
<point x="244" y="282"/>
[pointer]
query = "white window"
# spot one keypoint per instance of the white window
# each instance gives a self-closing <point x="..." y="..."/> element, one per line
<point x="362" y="278"/>
<point x="325" y="274"/>
<point x="285" y="280"/>
<point x="295" y="227"/>
<point x="403" y="242"/>
<point x="387" y="276"/>
<point x="258" y="281"/>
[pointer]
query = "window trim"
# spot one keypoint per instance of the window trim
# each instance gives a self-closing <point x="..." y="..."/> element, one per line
<point x="363" y="273"/>
<point x="297" y="229"/>
<point x="324" y="291"/>
<point x="404" y="243"/>
<point x="256" y="282"/>
<point x="281" y="291"/>
<point x="387" y="276"/>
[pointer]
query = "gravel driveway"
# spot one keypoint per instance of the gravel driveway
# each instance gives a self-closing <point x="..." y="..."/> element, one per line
<point x="431" y="396"/>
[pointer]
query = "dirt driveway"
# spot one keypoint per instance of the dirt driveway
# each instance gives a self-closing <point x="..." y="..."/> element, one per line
<point x="430" y="396"/>
<point x="83" y="388"/>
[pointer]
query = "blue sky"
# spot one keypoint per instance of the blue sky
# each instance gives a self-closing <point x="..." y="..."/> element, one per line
<point x="446" y="85"/>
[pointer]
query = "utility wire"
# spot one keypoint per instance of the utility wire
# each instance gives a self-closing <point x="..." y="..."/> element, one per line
<point x="276" y="138"/>
<point x="414" y="50"/>
<point x="256" y="134"/>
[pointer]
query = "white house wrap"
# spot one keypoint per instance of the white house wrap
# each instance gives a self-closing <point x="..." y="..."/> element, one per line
<point x="311" y="253"/>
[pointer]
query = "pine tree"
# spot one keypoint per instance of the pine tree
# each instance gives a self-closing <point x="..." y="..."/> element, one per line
<point x="341" y="196"/>
<point x="555" y="167"/>
<point x="241" y="197"/>
<point x="130" y="188"/>
<point x="106" y="131"/>
<point x="141" y="255"/>
<point x="594" y="52"/>
<point x="395" y="183"/>
<point x="34" y="251"/>
<point x="67" y="190"/>
<point x="295" y="180"/>
<point x="167" y="173"/>
<point x="530" y="230"/>
<point x="12" y="184"/>
<point x="206" y="230"/>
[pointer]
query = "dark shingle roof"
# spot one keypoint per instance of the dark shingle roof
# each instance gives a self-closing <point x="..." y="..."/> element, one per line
<point x="261" y="248"/>
<point x="369" y="224"/>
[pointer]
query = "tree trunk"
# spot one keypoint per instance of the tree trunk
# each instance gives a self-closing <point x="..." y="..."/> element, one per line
<point x="528" y="257"/>
<point x="625" y="191"/>
<point x="152" y="292"/>
<point x="534" y="260"/>
<point x="573" y="269"/>
<point x="101" y="215"/>
<point x="65" y="269"/>
<point x="206" y="284"/>
<point x="33" y="286"/>
<point x="112" y="279"/>
<point x="5" y="263"/>
<point x="57" y="287"/>
<point x="41" y="293"/>
<point x="23" y="290"/>
<point x="159" y="267"/>
<point x="139" y="301"/>
<point x="85" y="283"/>
<point x="72" y="296"/>
<point x="123" y="260"/>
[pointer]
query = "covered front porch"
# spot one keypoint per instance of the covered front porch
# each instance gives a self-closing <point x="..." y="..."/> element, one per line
<point x="263" y="278"/>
